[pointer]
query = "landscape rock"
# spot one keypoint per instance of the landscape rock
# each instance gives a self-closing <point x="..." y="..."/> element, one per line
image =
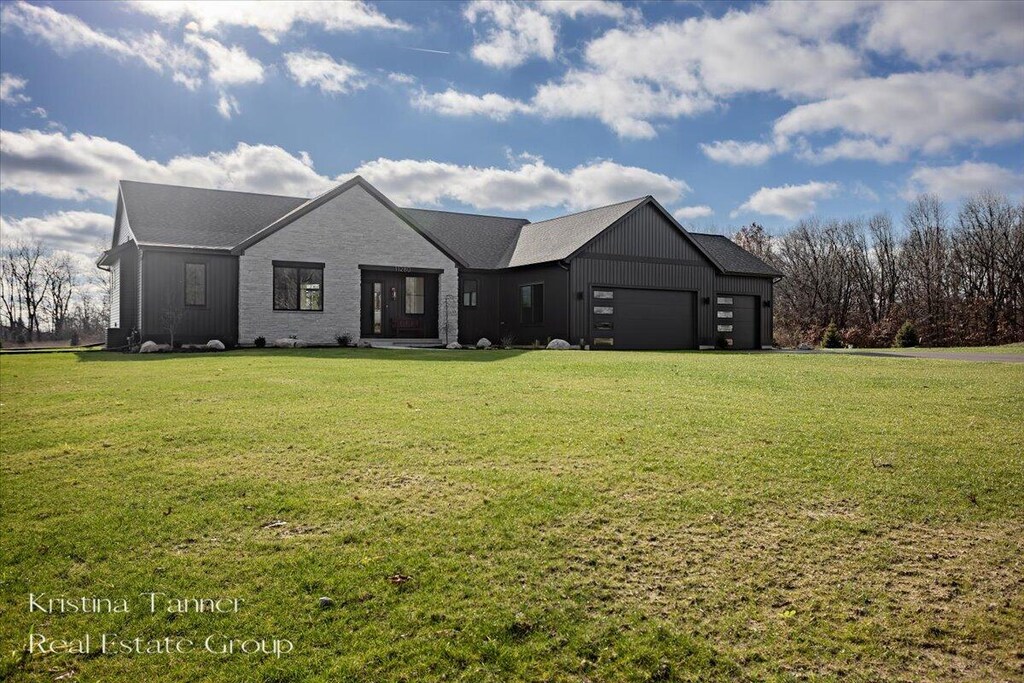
<point x="289" y="343"/>
<point x="325" y="602"/>
<point x="559" y="345"/>
<point x="364" y="344"/>
<point x="454" y="345"/>
<point x="484" y="343"/>
<point x="149" y="347"/>
<point x="805" y="347"/>
<point x="215" y="345"/>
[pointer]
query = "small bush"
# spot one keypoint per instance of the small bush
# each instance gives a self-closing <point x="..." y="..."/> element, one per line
<point x="75" y="340"/>
<point x="906" y="336"/>
<point x="344" y="339"/>
<point x="831" y="338"/>
<point x="507" y="341"/>
<point x="259" y="342"/>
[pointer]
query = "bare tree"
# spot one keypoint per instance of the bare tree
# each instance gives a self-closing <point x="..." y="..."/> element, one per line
<point x="171" y="317"/>
<point x="24" y="258"/>
<point x="61" y="278"/>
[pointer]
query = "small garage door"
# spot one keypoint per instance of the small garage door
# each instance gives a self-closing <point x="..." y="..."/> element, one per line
<point x="625" y="318"/>
<point x="736" y="321"/>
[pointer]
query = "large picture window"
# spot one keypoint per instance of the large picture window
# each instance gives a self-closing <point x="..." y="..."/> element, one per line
<point x="531" y="304"/>
<point x="298" y="287"/>
<point x="414" y="295"/>
<point x="469" y="290"/>
<point x="195" y="284"/>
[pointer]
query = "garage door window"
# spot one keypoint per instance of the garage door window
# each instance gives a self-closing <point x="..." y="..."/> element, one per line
<point x="725" y="314"/>
<point x="603" y="294"/>
<point x="531" y="304"/>
<point x="604" y="310"/>
<point x="725" y="301"/>
<point x="725" y="328"/>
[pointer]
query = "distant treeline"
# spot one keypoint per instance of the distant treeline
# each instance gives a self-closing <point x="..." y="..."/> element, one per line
<point x="959" y="277"/>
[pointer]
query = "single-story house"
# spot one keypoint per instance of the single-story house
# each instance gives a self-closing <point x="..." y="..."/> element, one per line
<point x="234" y="266"/>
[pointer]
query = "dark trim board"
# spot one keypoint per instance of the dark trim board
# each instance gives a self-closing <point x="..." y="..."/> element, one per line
<point x="401" y="269"/>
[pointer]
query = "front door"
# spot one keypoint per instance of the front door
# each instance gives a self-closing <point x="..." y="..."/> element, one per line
<point x="399" y="305"/>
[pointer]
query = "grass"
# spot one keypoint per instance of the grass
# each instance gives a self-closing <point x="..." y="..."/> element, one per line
<point x="502" y="516"/>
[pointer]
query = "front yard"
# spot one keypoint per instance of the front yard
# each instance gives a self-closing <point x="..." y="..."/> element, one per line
<point x="503" y="516"/>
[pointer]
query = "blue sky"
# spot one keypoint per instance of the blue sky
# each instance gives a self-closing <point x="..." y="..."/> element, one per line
<point x="726" y="113"/>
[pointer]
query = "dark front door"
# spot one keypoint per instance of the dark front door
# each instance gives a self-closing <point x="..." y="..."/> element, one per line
<point x="399" y="305"/>
<point x="626" y="318"/>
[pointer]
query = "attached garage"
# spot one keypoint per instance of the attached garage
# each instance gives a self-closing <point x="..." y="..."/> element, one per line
<point x="737" y="321"/>
<point x="636" y="318"/>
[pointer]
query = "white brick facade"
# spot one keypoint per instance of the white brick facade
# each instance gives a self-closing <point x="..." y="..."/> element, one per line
<point x="350" y="229"/>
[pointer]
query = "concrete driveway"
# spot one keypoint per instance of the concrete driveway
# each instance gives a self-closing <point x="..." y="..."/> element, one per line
<point x="936" y="355"/>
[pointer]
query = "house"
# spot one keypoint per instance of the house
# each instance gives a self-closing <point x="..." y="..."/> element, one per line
<point x="215" y="264"/>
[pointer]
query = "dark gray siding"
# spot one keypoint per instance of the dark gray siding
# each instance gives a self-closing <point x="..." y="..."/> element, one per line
<point x="497" y="314"/>
<point x="163" y="288"/>
<point x="481" y="320"/>
<point x="644" y="249"/>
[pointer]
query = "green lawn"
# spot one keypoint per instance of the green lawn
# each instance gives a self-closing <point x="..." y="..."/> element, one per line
<point x="564" y="516"/>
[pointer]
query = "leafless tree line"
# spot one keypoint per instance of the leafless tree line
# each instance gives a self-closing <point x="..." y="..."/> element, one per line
<point x="44" y="294"/>
<point x="958" y="277"/>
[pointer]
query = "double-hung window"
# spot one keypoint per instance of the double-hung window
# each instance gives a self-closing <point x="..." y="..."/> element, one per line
<point x="298" y="286"/>
<point x="469" y="291"/>
<point x="531" y="304"/>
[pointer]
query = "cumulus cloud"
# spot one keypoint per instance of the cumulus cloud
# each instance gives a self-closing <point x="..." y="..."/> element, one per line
<point x="518" y="31"/>
<point x="319" y="69"/>
<point x="227" y="65"/>
<point x="687" y="213"/>
<point x="739" y="153"/>
<point x="969" y="177"/>
<point x="227" y="106"/>
<point x="454" y="103"/>
<point x="788" y="201"/>
<point x="10" y="89"/>
<point x="81" y="167"/>
<point x="272" y="18"/>
<point x="72" y="231"/>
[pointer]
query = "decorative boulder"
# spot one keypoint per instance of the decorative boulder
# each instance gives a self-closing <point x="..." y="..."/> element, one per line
<point x="454" y="345"/>
<point x="215" y="345"/>
<point x="289" y="343"/>
<point x="149" y="347"/>
<point x="559" y="345"/>
<point x="364" y="344"/>
<point x="484" y="343"/>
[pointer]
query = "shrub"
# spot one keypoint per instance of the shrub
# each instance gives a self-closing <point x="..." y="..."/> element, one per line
<point x="75" y="340"/>
<point x="259" y="342"/>
<point x="906" y="336"/>
<point x="507" y="341"/>
<point x="831" y="338"/>
<point x="344" y="339"/>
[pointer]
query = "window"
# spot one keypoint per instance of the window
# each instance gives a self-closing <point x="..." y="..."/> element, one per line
<point x="414" y="296"/>
<point x="725" y="328"/>
<point x="195" y="284"/>
<point x="725" y="314"/>
<point x="298" y="287"/>
<point x="469" y="293"/>
<point x="725" y="301"/>
<point x="603" y="294"/>
<point x="531" y="304"/>
<point x="604" y="326"/>
<point x="604" y="310"/>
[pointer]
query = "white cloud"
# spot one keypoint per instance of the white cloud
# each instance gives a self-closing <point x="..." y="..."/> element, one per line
<point x="66" y="34"/>
<point x="227" y="106"/>
<point x="885" y="118"/>
<point x="317" y="68"/>
<point x="788" y="201"/>
<point x="687" y="213"/>
<point x="953" y="182"/>
<point x="926" y="32"/>
<point x="398" y="77"/>
<point x="72" y="231"/>
<point x="739" y="153"/>
<point x="272" y="19"/>
<point x="518" y="31"/>
<point x="10" y="89"/>
<point x="227" y="65"/>
<point x="454" y="103"/>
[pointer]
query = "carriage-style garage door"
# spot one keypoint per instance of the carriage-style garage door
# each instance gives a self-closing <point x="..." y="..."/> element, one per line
<point x="626" y="318"/>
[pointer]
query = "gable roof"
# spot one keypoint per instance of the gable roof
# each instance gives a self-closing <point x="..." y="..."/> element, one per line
<point x="171" y="215"/>
<point x="484" y="242"/>
<point x="732" y="258"/>
<point x="558" y="238"/>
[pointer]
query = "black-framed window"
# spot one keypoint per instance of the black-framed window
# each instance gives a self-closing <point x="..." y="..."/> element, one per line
<point x="531" y="304"/>
<point x="415" y="288"/>
<point x="298" y="287"/>
<point x="195" y="284"/>
<point x="469" y="290"/>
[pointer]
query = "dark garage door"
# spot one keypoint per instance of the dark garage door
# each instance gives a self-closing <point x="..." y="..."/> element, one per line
<point x="736" y="318"/>
<point x="642" y="319"/>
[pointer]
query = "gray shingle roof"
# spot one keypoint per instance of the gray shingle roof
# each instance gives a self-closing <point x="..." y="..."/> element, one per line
<point x="191" y="216"/>
<point x="557" y="238"/>
<point x="480" y="241"/>
<point x="733" y="258"/>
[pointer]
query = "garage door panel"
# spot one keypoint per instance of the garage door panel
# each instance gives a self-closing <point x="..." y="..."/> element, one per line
<point x="643" y="319"/>
<point x="736" y="319"/>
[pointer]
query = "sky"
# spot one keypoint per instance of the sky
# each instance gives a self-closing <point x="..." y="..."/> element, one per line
<point x="727" y="113"/>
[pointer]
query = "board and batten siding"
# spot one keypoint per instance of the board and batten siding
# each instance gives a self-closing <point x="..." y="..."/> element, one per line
<point x="347" y="231"/>
<point x="643" y="249"/>
<point x="163" y="288"/>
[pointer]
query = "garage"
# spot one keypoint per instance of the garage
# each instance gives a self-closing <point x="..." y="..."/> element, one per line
<point x="632" y="318"/>
<point x="737" y="322"/>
